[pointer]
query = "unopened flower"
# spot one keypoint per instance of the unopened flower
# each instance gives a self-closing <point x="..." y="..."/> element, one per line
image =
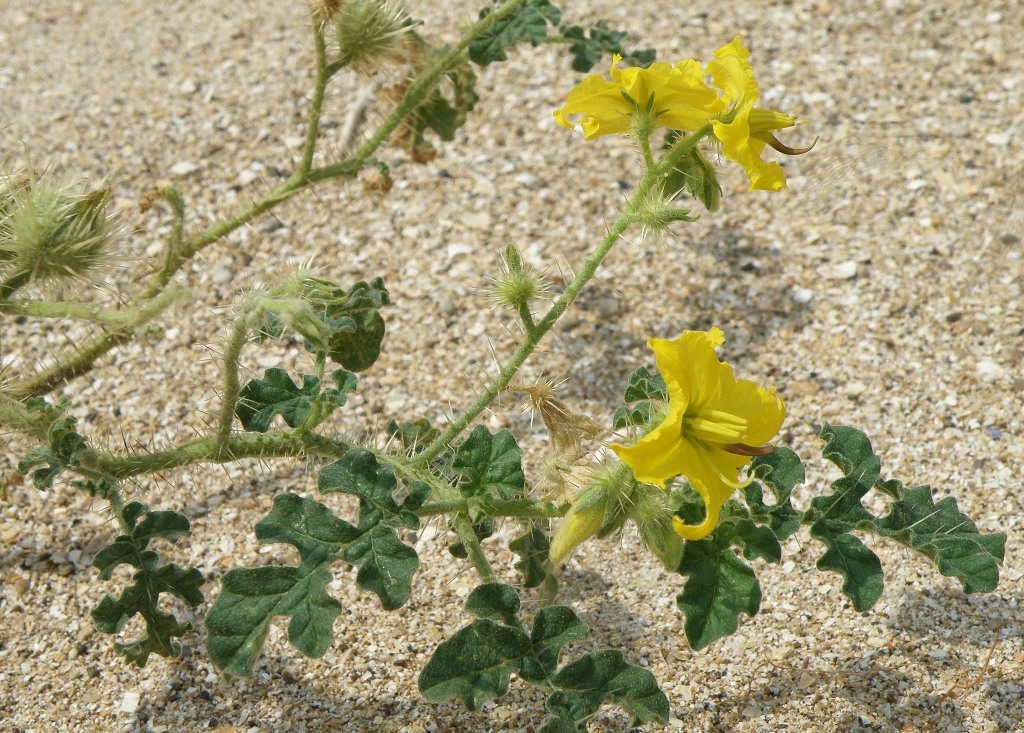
<point x="715" y="424"/>
<point x="372" y="34"/>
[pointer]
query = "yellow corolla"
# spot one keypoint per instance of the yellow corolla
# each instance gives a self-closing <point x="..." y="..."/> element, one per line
<point x="743" y="129"/>
<point x="679" y="95"/>
<point x="715" y="424"/>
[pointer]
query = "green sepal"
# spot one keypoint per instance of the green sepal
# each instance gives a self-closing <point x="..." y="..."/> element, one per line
<point x="533" y="548"/>
<point x="475" y="665"/>
<point x="149" y="581"/>
<point x="529" y="22"/>
<point x="588" y="46"/>
<point x="276" y="394"/>
<point x="490" y="464"/>
<point x="692" y="173"/>
<point x="584" y="685"/>
<point x="358" y="473"/>
<point x="719" y="587"/>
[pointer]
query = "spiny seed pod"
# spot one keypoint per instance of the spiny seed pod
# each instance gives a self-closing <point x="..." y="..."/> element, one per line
<point x="372" y="34"/>
<point x="54" y="232"/>
<point x="516" y="286"/>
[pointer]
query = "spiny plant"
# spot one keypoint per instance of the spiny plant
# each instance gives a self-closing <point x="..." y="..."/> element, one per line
<point x="695" y="470"/>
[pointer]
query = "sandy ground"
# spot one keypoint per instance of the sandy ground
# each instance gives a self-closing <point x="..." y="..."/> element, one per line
<point x="882" y="290"/>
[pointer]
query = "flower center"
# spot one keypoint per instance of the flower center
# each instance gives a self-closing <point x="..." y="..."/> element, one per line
<point x="715" y="426"/>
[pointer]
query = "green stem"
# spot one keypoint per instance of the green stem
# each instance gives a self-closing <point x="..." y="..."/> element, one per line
<point x="317" y="103"/>
<point x="282" y="444"/>
<point x="521" y="508"/>
<point x="586" y="272"/>
<point x="464" y="529"/>
<point x="126" y="318"/>
<point x="229" y="399"/>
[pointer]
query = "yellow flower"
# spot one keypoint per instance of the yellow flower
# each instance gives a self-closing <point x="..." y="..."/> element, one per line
<point x="743" y="129"/>
<point x="680" y="96"/>
<point x="715" y="424"/>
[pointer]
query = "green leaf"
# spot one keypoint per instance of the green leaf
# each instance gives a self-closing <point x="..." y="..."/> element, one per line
<point x="863" y="580"/>
<point x="63" y="443"/>
<point x="756" y="541"/>
<point x="781" y="471"/>
<point x="415" y="435"/>
<point x="356" y="325"/>
<point x="533" y="548"/>
<point x="587" y="47"/>
<point x="553" y="628"/>
<point x="474" y="665"/>
<point x="494" y="601"/>
<point x="629" y="417"/>
<point x="252" y="597"/>
<point x="358" y="473"/>
<point x="444" y="111"/>
<point x="604" y="675"/>
<point x="142" y="597"/>
<point x="276" y="394"/>
<point x="692" y="173"/>
<point x="529" y="22"/>
<point x="720" y="586"/>
<point x="490" y="463"/>
<point x="643" y="385"/>
<point x="386" y="565"/>
<point x="939" y="531"/>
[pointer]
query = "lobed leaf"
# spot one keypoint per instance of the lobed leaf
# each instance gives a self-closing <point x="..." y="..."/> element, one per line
<point x="494" y="601"/>
<point x="251" y="598"/>
<point x="474" y="665"/>
<point x="490" y="464"/>
<point x="358" y="473"/>
<point x="719" y="587"/>
<point x="148" y="582"/>
<point x="534" y="550"/>
<point x="781" y="471"/>
<point x="553" y="628"/>
<point x="588" y="46"/>
<point x="584" y="685"/>
<point x="276" y="394"/>
<point x="529" y="22"/>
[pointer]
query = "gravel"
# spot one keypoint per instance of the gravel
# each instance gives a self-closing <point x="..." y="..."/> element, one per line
<point x="882" y="290"/>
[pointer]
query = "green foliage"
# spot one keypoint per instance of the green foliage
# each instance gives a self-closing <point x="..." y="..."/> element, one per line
<point x="63" y="443"/>
<point x="645" y="389"/>
<point x="276" y="394"/>
<point x="490" y="464"/>
<point x="693" y="173"/>
<point x="533" y="548"/>
<point x="587" y="46"/>
<point x="346" y="327"/>
<point x="252" y="597"/>
<point x="720" y="586"/>
<point x="444" y="111"/>
<point x="781" y="471"/>
<point x="939" y="531"/>
<point x="529" y="22"/>
<point x="476" y="664"/>
<point x="415" y="435"/>
<point x="150" y="580"/>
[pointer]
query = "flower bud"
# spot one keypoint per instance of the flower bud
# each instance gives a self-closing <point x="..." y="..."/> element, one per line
<point x="372" y="34"/>
<point x="600" y="510"/>
<point x="517" y="286"/>
<point x="52" y="232"/>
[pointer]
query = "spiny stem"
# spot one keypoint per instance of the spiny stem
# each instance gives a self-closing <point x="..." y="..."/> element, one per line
<point x="229" y="398"/>
<point x="585" y="274"/>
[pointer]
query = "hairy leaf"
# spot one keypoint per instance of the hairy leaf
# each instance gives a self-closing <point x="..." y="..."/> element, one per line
<point x="415" y="435"/>
<point x="149" y="581"/>
<point x="553" y="628"/>
<point x="781" y="471"/>
<point x="533" y="548"/>
<point x="276" y="394"/>
<point x="490" y="463"/>
<point x="251" y="598"/>
<point x="588" y="46"/>
<point x="939" y="531"/>
<point x="604" y="676"/>
<point x="474" y="665"/>
<point x="719" y="587"/>
<point x="494" y="601"/>
<point x="643" y="385"/>
<point x="529" y="22"/>
<point x="62" y="444"/>
<point x="358" y="473"/>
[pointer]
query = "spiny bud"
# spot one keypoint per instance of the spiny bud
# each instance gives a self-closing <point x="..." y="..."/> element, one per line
<point x="372" y="34"/>
<point x="516" y="287"/>
<point x="600" y="510"/>
<point x="655" y="212"/>
<point x="652" y="512"/>
<point x="52" y="232"/>
<point x="323" y="11"/>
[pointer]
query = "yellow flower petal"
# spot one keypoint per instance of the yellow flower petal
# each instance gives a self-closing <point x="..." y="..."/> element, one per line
<point x="712" y="417"/>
